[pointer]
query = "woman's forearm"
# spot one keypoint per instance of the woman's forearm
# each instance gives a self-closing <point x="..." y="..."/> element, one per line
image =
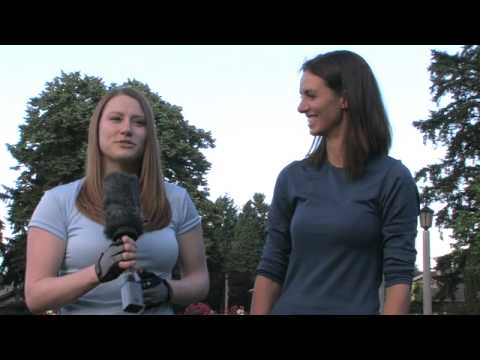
<point x="54" y="292"/>
<point x="190" y="289"/>
<point x="265" y="294"/>
<point x="397" y="300"/>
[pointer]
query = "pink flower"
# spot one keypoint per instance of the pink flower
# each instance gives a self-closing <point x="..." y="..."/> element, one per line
<point x="198" y="309"/>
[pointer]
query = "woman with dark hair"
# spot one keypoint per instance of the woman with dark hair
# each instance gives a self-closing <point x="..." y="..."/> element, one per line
<point x="72" y="266"/>
<point x="345" y="218"/>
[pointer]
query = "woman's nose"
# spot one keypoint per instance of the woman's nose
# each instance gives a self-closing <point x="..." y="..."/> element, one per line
<point x="302" y="107"/>
<point x="126" y="127"/>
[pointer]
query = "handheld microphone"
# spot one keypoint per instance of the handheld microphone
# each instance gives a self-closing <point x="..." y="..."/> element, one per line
<point x="121" y="204"/>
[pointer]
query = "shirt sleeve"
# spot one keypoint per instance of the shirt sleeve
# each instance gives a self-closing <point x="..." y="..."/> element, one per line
<point x="188" y="216"/>
<point x="50" y="215"/>
<point x="276" y="252"/>
<point x="400" y="207"/>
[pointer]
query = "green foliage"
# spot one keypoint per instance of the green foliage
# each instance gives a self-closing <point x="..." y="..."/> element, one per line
<point x="449" y="274"/>
<point x="250" y="233"/>
<point x="223" y="218"/>
<point x="234" y="247"/>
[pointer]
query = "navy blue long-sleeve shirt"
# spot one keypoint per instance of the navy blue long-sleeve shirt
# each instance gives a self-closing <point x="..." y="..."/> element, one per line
<point x="330" y="240"/>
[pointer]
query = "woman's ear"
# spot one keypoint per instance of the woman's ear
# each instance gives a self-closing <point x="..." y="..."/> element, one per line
<point x="343" y="103"/>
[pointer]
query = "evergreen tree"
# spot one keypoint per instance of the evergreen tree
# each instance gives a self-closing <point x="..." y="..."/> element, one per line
<point x="250" y="233"/>
<point x="454" y="181"/>
<point x="223" y="218"/>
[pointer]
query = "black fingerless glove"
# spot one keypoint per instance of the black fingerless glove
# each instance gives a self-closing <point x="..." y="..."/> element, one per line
<point x="107" y="268"/>
<point x="156" y="290"/>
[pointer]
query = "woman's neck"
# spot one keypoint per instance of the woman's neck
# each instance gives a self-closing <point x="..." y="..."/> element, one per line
<point x="119" y="167"/>
<point x="336" y="152"/>
<point x="336" y="143"/>
<point x="336" y="148"/>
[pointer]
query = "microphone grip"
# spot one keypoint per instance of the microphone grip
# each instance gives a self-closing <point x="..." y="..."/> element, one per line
<point x="131" y="290"/>
<point x="132" y="293"/>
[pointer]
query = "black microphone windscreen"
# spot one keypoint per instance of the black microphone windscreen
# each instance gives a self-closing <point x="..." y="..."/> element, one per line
<point x="121" y="205"/>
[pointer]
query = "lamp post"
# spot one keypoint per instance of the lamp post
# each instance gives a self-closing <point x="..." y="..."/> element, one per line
<point x="426" y="216"/>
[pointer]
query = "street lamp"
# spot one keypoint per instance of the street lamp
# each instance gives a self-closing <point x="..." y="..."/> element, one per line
<point x="426" y="216"/>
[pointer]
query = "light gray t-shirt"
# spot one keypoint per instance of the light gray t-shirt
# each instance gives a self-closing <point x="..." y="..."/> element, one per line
<point x="157" y="251"/>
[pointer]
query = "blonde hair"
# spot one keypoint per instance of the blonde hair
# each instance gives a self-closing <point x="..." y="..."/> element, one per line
<point x="155" y="205"/>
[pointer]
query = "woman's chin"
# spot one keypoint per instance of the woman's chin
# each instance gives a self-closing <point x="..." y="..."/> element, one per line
<point x="126" y="159"/>
<point x="317" y="132"/>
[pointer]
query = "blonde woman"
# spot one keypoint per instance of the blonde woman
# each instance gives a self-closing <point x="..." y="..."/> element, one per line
<point x="73" y="267"/>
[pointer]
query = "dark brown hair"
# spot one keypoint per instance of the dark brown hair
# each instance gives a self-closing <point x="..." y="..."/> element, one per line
<point x="368" y="131"/>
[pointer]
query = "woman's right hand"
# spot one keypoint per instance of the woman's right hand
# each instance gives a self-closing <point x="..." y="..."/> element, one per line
<point x="118" y="257"/>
